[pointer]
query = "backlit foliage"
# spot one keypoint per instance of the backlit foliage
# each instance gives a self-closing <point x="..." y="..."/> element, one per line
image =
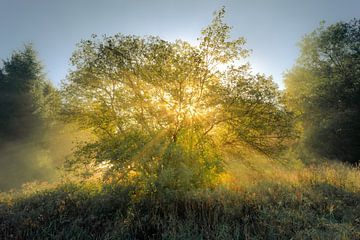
<point x="162" y="111"/>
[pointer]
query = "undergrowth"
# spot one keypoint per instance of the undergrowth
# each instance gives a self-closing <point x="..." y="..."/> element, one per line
<point x="255" y="201"/>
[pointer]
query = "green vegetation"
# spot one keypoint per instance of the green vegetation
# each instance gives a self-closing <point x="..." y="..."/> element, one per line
<point x="161" y="112"/>
<point x="181" y="141"/>
<point x="324" y="89"/>
<point x="279" y="202"/>
<point x="27" y="110"/>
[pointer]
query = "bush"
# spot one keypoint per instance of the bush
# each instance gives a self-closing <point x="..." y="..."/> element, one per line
<point x="319" y="202"/>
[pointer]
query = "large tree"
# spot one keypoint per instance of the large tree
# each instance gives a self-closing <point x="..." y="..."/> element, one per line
<point x="324" y="88"/>
<point x="27" y="102"/>
<point x="25" y="96"/>
<point x="164" y="109"/>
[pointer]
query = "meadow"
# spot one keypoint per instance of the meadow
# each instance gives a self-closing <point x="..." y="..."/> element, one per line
<point x="258" y="199"/>
<point x="155" y="139"/>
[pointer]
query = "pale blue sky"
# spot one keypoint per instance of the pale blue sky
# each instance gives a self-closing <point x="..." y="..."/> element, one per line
<point x="272" y="27"/>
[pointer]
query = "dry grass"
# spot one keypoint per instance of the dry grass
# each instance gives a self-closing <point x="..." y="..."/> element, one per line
<point x="259" y="198"/>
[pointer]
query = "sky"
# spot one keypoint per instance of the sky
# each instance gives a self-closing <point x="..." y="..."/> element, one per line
<point x="272" y="28"/>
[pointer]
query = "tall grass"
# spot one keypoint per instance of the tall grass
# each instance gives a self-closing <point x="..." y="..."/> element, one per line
<point x="258" y="199"/>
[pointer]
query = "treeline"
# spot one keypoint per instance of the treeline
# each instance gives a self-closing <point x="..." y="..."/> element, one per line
<point x="28" y="106"/>
<point x="162" y="113"/>
<point x="323" y="89"/>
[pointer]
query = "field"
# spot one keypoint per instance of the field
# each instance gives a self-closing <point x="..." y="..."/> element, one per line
<point x="258" y="198"/>
<point x="154" y="137"/>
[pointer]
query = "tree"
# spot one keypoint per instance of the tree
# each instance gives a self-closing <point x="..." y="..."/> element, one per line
<point x="163" y="110"/>
<point x="24" y="95"/>
<point x="27" y="103"/>
<point x="323" y="87"/>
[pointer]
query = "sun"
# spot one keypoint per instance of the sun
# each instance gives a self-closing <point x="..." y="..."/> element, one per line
<point x="192" y="110"/>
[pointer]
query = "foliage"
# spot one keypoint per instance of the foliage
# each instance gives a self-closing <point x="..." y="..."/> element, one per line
<point x="323" y="87"/>
<point x="287" y="201"/>
<point x="162" y="110"/>
<point x="25" y="95"/>
<point x="28" y="103"/>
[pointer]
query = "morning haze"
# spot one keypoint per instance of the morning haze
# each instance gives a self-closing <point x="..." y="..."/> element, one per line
<point x="179" y="119"/>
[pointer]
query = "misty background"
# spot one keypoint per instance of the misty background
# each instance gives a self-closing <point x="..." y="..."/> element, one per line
<point x="33" y="144"/>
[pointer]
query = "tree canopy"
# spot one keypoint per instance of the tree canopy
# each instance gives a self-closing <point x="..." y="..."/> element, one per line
<point x="324" y="88"/>
<point x="25" y="95"/>
<point x="27" y="103"/>
<point x="161" y="109"/>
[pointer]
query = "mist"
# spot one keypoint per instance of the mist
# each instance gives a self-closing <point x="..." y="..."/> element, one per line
<point x="35" y="160"/>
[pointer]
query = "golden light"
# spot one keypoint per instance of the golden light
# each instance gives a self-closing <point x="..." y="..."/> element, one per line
<point x="191" y="109"/>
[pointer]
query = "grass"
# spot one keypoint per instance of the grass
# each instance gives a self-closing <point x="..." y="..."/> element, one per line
<point x="258" y="199"/>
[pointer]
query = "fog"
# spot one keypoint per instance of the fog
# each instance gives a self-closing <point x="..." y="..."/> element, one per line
<point x="40" y="160"/>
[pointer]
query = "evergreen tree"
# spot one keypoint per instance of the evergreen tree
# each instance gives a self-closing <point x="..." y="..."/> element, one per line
<point x="24" y="95"/>
<point x="27" y="106"/>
